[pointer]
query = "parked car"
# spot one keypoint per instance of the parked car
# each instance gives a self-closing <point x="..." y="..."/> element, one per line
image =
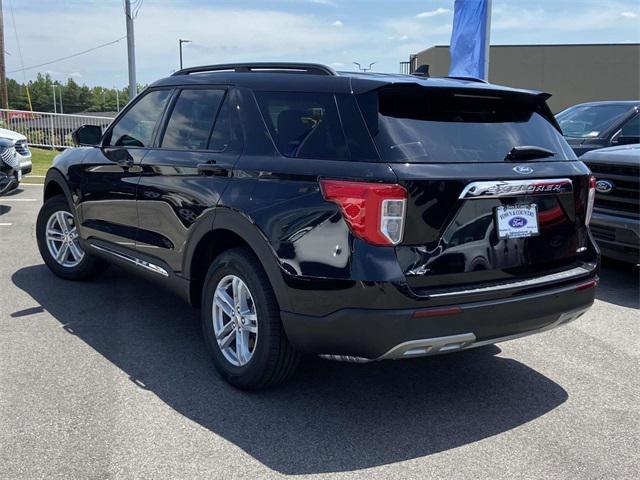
<point x="15" y="159"/>
<point x="310" y="211"/>
<point x="589" y="126"/>
<point x="616" y="217"/>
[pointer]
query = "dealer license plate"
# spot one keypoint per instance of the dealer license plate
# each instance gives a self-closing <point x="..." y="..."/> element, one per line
<point x="517" y="221"/>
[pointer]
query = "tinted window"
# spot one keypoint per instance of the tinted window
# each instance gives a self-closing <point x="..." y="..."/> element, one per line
<point x="192" y="118"/>
<point x="136" y="127"/>
<point x="437" y="125"/>
<point x="221" y="135"/>
<point x="632" y="128"/>
<point x="304" y="125"/>
<point x="589" y="121"/>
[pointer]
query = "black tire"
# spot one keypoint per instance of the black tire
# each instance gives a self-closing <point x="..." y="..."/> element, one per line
<point x="89" y="266"/>
<point x="274" y="360"/>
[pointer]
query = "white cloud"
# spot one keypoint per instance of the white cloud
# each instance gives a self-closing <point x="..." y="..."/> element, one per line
<point x="629" y="14"/>
<point x="337" y="64"/>
<point x="337" y="23"/>
<point x="433" y="13"/>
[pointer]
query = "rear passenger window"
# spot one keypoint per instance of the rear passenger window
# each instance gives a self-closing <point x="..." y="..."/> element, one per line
<point x="192" y="118"/>
<point x="304" y="125"/>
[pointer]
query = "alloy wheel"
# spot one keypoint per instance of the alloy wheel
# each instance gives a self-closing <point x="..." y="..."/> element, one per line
<point x="235" y="320"/>
<point x="62" y="239"/>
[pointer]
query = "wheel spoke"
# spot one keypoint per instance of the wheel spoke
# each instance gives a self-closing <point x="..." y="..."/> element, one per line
<point x="236" y="293"/>
<point x="63" y="253"/>
<point x="242" y="349"/>
<point x="62" y="221"/>
<point x="228" y="327"/>
<point x="226" y="341"/>
<point x="55" y="235"/>
<point x="250" y="328"/>
<point x="75" y="251"/>
<point x="223" y="301"/>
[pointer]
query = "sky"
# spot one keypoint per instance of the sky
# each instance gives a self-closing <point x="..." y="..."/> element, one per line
<point x="334" y="32"/>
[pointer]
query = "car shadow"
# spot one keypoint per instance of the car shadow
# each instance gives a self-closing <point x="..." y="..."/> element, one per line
<point x="331" y="417"/>
<point x="619" y="284"/>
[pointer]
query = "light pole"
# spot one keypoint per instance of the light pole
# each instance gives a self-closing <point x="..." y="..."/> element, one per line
<point x="61" y="109"/>
<point x="364" y="69"/>
<point x="180" y="42"/>
<point x="55" y="107"/>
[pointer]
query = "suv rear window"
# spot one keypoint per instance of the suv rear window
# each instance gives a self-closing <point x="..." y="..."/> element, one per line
<point x="304" y="125"/>
<point x="445" y="125"/>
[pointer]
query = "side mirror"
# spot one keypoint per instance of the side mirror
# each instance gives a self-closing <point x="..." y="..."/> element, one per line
<point x="87" y="135"/>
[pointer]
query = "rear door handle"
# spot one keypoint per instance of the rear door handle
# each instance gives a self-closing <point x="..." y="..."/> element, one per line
<point x="210" y="168"/>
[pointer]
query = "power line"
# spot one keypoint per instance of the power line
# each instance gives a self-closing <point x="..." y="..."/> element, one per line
<point x="24" y="75"/>
<point x="68" y="56"/>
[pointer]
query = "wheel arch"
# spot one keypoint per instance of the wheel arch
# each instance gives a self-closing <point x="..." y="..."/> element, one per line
<point x="230" y="229"/>
<point x="55" y="184"/>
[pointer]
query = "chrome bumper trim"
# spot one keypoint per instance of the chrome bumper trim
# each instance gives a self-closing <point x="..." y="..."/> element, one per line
<point x="533" y="282"/>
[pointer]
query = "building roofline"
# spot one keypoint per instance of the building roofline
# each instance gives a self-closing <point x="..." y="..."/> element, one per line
<point x="509" y="45"/>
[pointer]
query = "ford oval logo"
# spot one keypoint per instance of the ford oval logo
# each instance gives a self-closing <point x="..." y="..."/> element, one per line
<point x="604" y="186"/>
<point x="518" y="222"/>
<point x="523" y="170"/>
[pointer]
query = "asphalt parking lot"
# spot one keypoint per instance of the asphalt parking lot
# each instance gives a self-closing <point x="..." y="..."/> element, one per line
<point x="110" y="379"/>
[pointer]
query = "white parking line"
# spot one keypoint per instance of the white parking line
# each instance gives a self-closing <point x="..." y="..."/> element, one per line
<point x="18" y="200"/>
<point x="5" y="224"/>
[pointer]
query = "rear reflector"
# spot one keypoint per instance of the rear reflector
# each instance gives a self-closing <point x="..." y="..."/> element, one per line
<point x="437" y="312"/>
<point x="374" y="211"/>
<point x="587" y="285"/>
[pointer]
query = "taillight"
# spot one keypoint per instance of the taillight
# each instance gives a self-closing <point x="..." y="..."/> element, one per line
<point x="591" y="199"/>
<point x="374" y="211"/>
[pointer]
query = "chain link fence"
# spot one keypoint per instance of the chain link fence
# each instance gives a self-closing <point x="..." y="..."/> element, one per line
<point x="52" y="130"/>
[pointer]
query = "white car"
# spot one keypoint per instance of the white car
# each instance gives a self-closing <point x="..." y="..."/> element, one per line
<point x="15" y="159"/>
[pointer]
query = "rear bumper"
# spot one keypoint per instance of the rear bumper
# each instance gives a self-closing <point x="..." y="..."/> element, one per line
<point x="371" y="334"/>
<point x="618" y="237"/>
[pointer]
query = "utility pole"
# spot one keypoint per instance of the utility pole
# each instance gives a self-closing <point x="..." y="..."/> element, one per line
<point x="55" y="107"/>
<point x="4" y="97"/>
<point x="117" y="100"/>
<point x="131" y="51"/>
<point x="61" y="109"/>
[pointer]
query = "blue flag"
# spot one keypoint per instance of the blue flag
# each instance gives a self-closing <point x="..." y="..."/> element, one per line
<point x="469" y="38"/>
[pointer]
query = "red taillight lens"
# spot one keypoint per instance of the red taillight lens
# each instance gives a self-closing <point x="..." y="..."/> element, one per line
<point x="374" y="211"/>
<point x="591" y="199"/>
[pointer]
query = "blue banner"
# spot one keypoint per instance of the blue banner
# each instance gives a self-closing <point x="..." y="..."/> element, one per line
<point x="469" y="38"/>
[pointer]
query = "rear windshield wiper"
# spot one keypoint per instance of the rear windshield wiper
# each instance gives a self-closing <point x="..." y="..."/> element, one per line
<point x="528" y="152"/>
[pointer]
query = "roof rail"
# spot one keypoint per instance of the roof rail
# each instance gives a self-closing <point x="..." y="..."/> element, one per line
<point x="468" y="79"/>
<point x="282" y="67"/>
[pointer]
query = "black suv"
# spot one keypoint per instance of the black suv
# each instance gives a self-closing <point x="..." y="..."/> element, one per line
<point x="354" y="216"/>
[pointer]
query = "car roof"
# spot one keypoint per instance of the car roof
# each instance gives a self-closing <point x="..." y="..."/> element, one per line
<point x="629" y="103"/>
<point x="334" y="82"/>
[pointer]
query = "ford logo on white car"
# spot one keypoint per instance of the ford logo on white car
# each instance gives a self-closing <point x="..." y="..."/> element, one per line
<point x="522" y="169"/>
<point x="604" y="186"/>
